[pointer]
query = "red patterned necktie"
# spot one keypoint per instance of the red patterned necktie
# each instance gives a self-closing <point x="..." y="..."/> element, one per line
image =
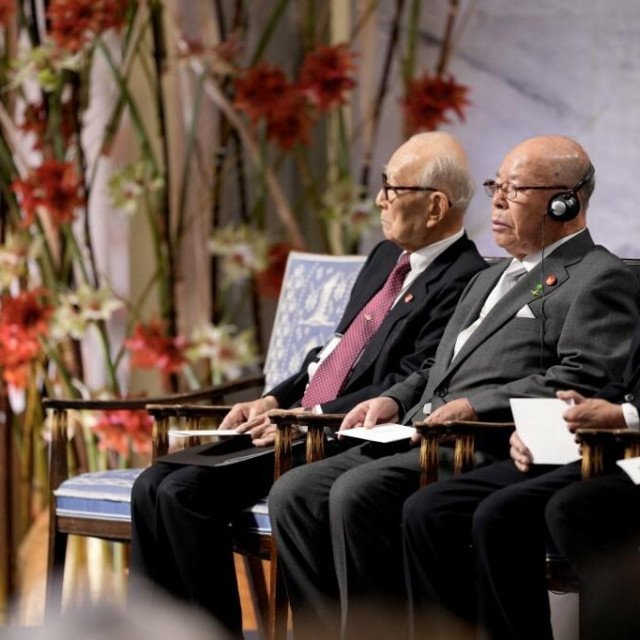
<point x="332" y="373"/>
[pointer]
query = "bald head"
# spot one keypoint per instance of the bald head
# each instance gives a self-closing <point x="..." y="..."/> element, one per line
<point x="437" y="162"/>
<point x="554" y="164"/>
<point x="553" y="160"/>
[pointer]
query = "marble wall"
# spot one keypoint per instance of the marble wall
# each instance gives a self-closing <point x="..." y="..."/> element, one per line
<point x="550" y="66"/>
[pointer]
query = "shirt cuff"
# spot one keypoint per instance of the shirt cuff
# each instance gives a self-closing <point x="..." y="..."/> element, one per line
<point x="631" y="416"/>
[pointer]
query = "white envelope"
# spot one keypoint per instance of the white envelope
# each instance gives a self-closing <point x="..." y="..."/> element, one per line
<point x="525" y="312"/>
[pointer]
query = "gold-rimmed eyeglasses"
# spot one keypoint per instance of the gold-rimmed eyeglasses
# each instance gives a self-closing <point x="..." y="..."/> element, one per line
<point x="511" y="191"/>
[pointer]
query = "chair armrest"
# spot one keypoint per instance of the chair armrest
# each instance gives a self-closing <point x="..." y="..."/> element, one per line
<point x="287" y="421"/>
<point x="599" y="445"/>
<point x="212" y="394"/>
<point x="463" y="433"/>
<point x="59" y="469"/>
<point x="162" y="414"/>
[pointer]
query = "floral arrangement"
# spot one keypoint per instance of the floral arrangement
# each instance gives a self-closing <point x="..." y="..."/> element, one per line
<point x="64" y="176"/>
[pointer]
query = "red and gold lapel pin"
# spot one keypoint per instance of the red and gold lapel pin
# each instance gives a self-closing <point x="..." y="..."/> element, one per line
<point x="551" y="281"/>
<point x="408" y="297"/>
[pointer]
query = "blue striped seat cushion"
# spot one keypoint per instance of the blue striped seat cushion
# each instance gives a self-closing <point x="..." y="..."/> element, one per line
<point x="100" y="494"/>
<point x="107" y="495"/>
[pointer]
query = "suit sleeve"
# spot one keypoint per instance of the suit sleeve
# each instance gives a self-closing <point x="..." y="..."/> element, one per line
<point x="592" y="349"/>
<point x="408" y="392"/>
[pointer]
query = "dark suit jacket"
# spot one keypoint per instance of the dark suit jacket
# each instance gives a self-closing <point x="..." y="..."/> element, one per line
<point x="628" y="388"/>
<point x="579" y="340"/>
<point x="408" y="335"/>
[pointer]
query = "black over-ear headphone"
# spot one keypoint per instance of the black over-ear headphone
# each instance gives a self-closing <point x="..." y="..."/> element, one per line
<point x="566" y="206"/>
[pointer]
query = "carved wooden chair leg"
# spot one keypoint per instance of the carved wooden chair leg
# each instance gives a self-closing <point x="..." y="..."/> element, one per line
<point x="279" y="602"/>
<point x="55" y="572"/>
<point x="259" y="593"/>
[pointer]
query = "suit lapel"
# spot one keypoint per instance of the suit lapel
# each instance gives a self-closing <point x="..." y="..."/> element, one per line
<point x="416" y="294"/>
<point x="521" y="294"/>
<point x="362" y="295"/>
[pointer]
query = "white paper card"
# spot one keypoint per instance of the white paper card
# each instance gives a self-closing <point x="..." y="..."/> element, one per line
<point x="631" y="466"/>
<point x="541" y="428"/>
<point x="186" y="433"/>
<point x="387" y="432"/>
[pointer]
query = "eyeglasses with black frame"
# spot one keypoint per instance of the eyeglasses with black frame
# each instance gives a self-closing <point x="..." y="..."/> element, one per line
<point x="386" y="187"/>
<point x="511" y="191"/>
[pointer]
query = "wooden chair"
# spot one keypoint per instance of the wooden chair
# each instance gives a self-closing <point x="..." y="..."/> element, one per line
<point x="314" y="293"/>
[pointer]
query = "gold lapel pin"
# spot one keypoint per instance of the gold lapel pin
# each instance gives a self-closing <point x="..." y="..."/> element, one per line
<point x="551" y="281"/>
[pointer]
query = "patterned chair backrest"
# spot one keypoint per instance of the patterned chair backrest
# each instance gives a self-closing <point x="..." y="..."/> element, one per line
<point x="314" y="294"/>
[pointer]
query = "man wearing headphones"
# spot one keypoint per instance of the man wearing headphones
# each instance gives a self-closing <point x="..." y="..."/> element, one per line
<point x="475" y="545"/>
<point x="558" y="316"/>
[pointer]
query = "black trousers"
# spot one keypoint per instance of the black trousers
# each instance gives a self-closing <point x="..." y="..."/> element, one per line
<point x="475" y="548"/>
<point x="180" y="528"/>
<point x="596" y="526"/>
<point x="337" y="527"/>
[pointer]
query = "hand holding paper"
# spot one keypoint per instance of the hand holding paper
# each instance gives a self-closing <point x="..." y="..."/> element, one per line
<point x="543" y="430"/>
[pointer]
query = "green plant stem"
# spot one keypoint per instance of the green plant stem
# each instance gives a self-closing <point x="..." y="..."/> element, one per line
<point x="160" y="251"/>
<point x="54" y="354"/>
<point x="445" y="49"/>
<point x="363" y="19"/>
<point x="268" y="31"/>
<point x="172" y="248"/>
<point x="106" y="351"/>
<point x="382" y="91"/>
<point x="409" y="62"/>
<point x="113" y="123"/>
<point x="141" y="132"/>
<point x="188" y="154"/>
<point x="88" y="240"/>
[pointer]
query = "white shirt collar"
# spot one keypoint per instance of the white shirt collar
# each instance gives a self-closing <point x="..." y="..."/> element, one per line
<point x="533" y="259"/>
<point x="422" y="258"/>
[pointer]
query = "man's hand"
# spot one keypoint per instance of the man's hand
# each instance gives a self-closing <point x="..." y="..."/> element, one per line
<point x="369" y="413"/>
<point x="248" y="415"/>
<point x="519" y="453"/>
<point x="263" y="435"/>
<point x="459" y="409"/>
<point x="591" y="413"/>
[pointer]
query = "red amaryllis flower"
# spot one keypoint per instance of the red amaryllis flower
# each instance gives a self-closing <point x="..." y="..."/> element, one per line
<point x="23" y="320"/>
<point x="289" y="122"/>
<point x="428" y="99"/>
<point x="324" y="76"/>
<point x="7" y="9"/>
<point x="27" y="311"/>
<point x="260" y="91"/>
<point x="55" y="187"/>
<point x="151" y="347"/>
<point x="270" y="279"/>
<point x="74" y="23"/>
<point x="118" y="429"/>
<point x="35" y="121"/>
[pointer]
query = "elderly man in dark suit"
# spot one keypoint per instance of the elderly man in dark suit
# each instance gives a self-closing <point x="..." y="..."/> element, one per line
<point x="558" y="316"/>
<point x="595" y="523"/>
<point x="474" y="545"/>
<point x="398" y="309"/>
